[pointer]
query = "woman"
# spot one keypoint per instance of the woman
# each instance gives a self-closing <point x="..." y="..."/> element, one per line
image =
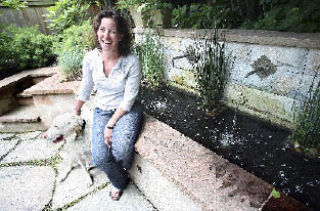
<point x="117" y="118"/>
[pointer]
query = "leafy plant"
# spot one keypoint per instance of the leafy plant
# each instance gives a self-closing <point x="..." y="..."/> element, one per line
<point x="6" y="50"/>
<point x="275" y="194"/>
<point x="212" y="71"/>
<point x="32" y="48"/>
<point x="25" y="48"/>
<point x="202" y="15"/>
<point x="293" y="15"/>
<point x="14" y="4"/>
<point x="151" y="60"/>
<point x="66" y="13"/>
<point x="307" y="129"/>
<point x="75" y="41"/>
<point x="144" y="5"/>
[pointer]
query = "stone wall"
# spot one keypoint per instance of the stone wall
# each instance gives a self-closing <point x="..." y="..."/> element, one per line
<point x="293" y="57"/>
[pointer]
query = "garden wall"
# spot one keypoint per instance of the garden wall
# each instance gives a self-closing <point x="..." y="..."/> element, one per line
<point x="295" y="59"/>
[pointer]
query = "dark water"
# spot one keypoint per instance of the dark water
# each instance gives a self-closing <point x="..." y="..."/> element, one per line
<point x="258" y="147"/>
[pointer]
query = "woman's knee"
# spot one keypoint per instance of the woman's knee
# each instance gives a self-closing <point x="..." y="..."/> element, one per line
<point x="101" y="160"/>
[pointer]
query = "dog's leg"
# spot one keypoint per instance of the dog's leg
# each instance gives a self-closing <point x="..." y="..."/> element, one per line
<point x="63" y="176"/>
<point x="89" y="180"/>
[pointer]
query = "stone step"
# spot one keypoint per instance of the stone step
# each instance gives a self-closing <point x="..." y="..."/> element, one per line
<point x="21" y="119"/>
<point x="24" y="99"/>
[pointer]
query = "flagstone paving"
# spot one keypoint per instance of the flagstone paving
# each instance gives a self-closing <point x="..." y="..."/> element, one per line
<point x="29" y="168"/>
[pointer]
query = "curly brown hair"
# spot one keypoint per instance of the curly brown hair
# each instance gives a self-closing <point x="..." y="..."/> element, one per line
<point x="122" y="28"/>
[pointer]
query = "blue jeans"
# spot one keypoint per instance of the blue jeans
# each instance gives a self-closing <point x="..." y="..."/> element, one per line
<point x="117" y="159"/>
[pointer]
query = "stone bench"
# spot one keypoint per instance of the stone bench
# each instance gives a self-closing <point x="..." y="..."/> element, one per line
<point x="173" y="171"/>
<point x="177" y="173"/>
<point x="13" y="85"/>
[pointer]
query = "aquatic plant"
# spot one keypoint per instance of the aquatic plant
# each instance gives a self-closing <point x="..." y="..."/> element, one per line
<point x="307" y="123"/>
<point x="151" y="60"/>
<point x="212" y="71"/>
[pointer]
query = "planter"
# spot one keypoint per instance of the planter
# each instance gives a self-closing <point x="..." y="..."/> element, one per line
<point x="158" y="18"/>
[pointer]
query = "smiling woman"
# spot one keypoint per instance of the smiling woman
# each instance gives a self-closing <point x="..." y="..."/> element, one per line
<point x="117" y="118"/>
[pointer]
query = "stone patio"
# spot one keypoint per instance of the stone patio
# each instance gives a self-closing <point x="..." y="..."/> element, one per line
<point x="29" y="167"/>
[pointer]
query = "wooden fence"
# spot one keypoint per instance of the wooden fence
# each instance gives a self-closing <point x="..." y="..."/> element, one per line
<point x="29" y="16"/>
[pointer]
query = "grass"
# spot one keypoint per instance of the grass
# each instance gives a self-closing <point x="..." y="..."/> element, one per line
<point x="307" y="124"/>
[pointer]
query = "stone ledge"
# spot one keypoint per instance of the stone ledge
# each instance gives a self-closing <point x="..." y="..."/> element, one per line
<point x="45" y="71"/>
<point x="286" y="39"/>
<point x="206" y="178"/>
<point x="50" y="86"/>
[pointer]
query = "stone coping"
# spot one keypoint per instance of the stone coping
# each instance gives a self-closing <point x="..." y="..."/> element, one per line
<point x="52" y="86"/>
<point x="45" y="71"/>
<point x="286" y="39"/>
<point x="210" y="180"/>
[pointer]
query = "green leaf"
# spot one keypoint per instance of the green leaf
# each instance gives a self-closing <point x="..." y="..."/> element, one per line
<point x="275" y="193"/>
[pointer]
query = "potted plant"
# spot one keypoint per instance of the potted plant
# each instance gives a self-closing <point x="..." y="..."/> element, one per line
<point x="148" y="13"/>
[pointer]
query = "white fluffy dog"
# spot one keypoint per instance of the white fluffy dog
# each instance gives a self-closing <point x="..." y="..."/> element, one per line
<point x="69" y="127"/>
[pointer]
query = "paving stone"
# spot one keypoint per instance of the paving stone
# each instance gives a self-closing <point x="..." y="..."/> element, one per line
<point x="74" y="186"/>
<point x="6" y="146"/>
<point x="37" y="149"/>
<point x="132" y="199"/>
<point x="6" y="136"/>
<point x="21" y="127"/>
<point x="25" y="187"/>
<point x="29" y="135"/>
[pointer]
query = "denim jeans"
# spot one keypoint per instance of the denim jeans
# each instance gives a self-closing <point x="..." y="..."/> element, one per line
<point x="117" y="159"/>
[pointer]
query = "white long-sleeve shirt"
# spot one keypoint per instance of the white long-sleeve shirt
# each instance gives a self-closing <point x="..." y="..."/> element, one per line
<point x="119" y="89"/>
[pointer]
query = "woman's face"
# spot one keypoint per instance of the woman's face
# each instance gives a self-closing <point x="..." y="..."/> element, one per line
<point x="108" y="35"/>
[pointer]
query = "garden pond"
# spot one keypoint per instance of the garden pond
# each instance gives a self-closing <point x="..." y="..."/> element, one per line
<point x="255" y="145"/>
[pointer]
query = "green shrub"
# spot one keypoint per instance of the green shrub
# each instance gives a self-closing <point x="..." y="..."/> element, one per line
<point x="6" y="52"/>
<point x="32" y="48"/>
<point x="151" y="60"/>
<point x="75" y="41"/>
<point x="204" y="16"/>
<point x="14" y="4"/>
<point x="25" y="48"/>
<point x="294" y="16"/>
<point x="277" y="15"/>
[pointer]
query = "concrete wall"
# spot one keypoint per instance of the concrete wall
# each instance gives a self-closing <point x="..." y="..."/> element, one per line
<point x="295" y="58"/>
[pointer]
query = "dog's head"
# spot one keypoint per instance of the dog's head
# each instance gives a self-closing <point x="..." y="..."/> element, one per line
<point x="63" y="126"/>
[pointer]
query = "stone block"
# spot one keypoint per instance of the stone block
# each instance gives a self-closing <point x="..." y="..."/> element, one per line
<point x="131" y="199"/>
<point x="31" y="150"/>
<point x="174" y="171"/>
<point x="74" y="186"/>
<point x="25" y="187"/>
<point x="268" y="106"/>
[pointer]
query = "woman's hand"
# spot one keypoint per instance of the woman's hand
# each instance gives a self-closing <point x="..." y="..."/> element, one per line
<point x="78" y="107"/>
<point x="108" y="136"/>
